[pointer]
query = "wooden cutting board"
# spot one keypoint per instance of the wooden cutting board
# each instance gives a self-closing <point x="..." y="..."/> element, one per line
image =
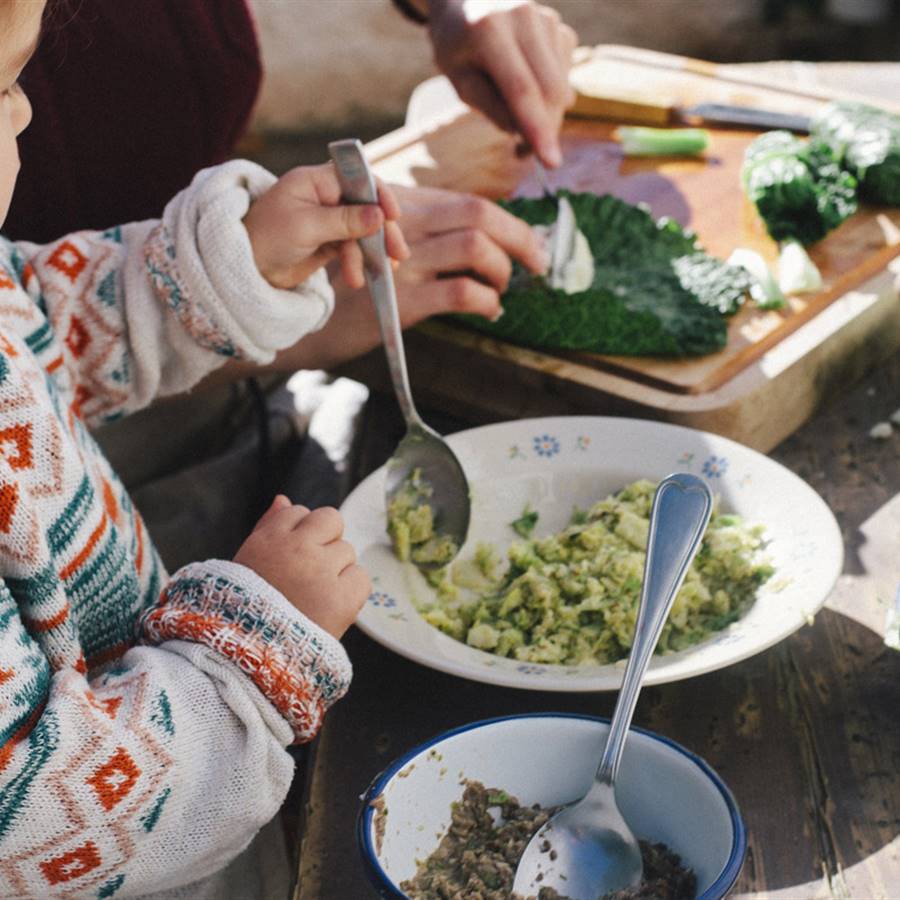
<point x="461" y="150"/>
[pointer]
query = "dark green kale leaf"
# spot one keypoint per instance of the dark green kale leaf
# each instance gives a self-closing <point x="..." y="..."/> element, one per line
<point x="867" y="141"/>
<point x="799" y="188"/>
<point x="654" y="291"/>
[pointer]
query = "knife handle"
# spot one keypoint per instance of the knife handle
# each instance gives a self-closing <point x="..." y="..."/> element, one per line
<point x="596" y="100"/>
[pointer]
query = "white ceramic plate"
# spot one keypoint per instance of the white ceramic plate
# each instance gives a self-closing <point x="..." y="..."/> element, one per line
<point x="556" y="464"/>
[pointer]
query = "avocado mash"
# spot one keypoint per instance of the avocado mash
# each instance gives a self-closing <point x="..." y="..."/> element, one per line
<point x="572" y="597"/>
<point x="411" y="525"/>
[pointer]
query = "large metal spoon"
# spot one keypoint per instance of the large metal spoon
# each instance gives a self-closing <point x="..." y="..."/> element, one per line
<point x="421" y="448"/>
<point x="586" y="849"/>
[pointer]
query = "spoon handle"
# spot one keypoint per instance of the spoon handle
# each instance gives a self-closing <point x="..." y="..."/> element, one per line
<point x="358" y="186"/>
<point x="678" y="517"/>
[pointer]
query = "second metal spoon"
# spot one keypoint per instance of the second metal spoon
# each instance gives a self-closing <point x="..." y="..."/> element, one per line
<point x="593" y="849"/>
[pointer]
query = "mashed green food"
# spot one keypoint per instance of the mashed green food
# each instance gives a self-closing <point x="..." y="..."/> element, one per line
<point x="572" y="597"/>
<point x="411" y="525"/>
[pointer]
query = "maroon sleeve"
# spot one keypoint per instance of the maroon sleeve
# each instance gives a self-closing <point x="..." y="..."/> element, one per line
<point x="130" y="100"/>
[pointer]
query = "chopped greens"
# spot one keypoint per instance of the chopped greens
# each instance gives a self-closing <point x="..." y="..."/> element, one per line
<point x="524" y="525"/>
<point x="799" y="188"/>
<point x="866" y="140"/>
<point x="655" y="292"/>
<point x="572" y="597"/>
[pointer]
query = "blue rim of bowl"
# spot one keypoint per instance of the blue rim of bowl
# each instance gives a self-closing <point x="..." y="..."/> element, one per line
<point x="384" y="885"/>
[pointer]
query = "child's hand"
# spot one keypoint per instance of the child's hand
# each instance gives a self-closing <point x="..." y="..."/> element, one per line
<point x="298" y="225"/>
<point x="302" y="555"/>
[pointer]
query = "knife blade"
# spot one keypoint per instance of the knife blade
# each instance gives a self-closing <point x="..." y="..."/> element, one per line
<point x="748" y="116"/>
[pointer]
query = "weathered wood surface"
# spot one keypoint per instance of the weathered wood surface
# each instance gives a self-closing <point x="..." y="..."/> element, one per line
<point x="806" y="734"/>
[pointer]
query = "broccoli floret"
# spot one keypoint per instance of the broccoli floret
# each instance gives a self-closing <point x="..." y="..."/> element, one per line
<point x="866" y="140"/>
<point x="799" y="189"/>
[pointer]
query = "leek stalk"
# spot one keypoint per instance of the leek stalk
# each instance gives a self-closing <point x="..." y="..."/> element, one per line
<point x="643" y="141"/>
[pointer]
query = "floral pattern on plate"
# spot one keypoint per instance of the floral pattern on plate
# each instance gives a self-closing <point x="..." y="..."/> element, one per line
<point x="553" y="472"/>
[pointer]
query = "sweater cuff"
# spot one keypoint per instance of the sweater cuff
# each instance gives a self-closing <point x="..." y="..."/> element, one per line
<point x="200" y="263"/>
<point x="300" y="668"/>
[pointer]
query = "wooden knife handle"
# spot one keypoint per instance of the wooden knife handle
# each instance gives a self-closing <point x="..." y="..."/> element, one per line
<point x="600" y="97"/>
<point x="632" y="109"/>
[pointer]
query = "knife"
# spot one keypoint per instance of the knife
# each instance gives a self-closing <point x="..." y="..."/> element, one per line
<point x="645" y="111"/>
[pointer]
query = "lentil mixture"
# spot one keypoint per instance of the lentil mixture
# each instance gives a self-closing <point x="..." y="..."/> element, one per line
<point x="477" y="857"/>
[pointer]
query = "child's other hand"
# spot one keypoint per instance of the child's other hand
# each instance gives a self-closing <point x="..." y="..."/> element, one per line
<point x="302" y="555"/>
<point x="298" y="225"/>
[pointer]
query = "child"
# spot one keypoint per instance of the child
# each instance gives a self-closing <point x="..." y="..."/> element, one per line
<point x="144" y="718"/>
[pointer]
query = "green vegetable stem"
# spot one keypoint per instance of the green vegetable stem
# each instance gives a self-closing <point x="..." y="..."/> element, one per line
<point x="640" y="141"/>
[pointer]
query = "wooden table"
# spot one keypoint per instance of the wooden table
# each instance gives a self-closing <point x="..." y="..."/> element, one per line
<point x="806" y="734"/>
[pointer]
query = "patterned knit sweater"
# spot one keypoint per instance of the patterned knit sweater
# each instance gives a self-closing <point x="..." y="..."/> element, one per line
<point x="144" y="719"/>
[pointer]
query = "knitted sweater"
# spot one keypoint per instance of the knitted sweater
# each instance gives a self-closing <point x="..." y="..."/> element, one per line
<point x="144" y="719"/>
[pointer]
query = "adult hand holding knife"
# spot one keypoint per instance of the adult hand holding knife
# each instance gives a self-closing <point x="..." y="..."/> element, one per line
<point x="510" y="59"/>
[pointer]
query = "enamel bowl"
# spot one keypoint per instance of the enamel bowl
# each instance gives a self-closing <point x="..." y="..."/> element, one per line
<point x="665" y="792"/>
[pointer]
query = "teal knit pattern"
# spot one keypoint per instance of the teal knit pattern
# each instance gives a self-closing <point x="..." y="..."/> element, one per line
<point x="132" y="704"/>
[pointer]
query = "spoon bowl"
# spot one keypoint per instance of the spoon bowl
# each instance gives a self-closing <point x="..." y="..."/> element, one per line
<point x="421" y="448"/>
<point x="587" y="849"/>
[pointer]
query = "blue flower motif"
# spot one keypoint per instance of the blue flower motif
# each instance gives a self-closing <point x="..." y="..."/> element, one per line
<point x="546" y="445"/>
<point x="379" y="598"/>
<point x="530" y="670"/>
<point x="715" y="467"/>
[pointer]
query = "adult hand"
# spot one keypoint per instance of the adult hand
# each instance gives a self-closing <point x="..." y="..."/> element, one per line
<point x="510" y="59"/>
<point x="461" y="252"/>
